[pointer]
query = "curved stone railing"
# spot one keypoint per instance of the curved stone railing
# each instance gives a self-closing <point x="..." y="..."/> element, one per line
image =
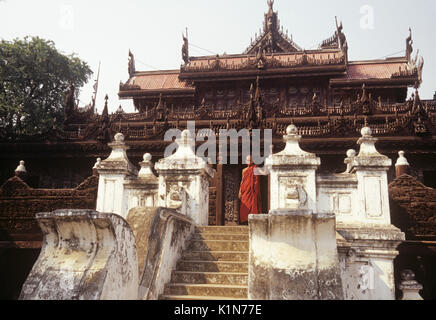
<point x="86" y="255"/>
<point x="167" y="237"/>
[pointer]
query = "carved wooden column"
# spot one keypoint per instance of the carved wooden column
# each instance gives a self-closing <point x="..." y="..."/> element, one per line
<point x="219" y="195"/>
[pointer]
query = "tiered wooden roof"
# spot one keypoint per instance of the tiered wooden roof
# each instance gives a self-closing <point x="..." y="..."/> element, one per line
<point x="330" y="118"/>
<point x="387" y="71"/>
<point x="273" y="54"/>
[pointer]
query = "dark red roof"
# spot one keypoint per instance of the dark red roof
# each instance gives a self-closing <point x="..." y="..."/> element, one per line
<point x="364" y="71"/>
<point x="157" y="80"/>
<point x="169" y="79"/>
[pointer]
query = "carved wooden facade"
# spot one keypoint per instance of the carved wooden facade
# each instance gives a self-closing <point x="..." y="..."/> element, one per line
<point x="413" y="209"/>
<point x="273" y="83"/>
<point x="19" y="204"/>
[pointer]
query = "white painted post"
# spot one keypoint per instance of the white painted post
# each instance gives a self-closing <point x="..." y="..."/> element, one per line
<point x="372" y="183"/>
<point x="113" y="172"/>
<point x="142" y="192"/>
<point x="293" y="253"/>
<point x="184" y="181"/>
<point x="293" y="180"/>
<point x="369" y="242"/>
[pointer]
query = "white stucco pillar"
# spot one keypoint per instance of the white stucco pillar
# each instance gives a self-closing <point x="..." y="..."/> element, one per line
<point x="293" y="180"/>
<point x="368" y="242"/>
<point x="142" y="192"/>
<point x="372" y="183"/>
<point x="113" y="172"/>
<point x="293" y="252"/>
<point x="184" y="181"/>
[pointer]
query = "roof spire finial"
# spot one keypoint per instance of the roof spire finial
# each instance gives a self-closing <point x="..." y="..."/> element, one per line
<point x="409" y="47"/>
<point x="185" y="48"/>
<point x="131" y="67"/>
<point x="105" y="112"/>
<point x="272" y="37"/>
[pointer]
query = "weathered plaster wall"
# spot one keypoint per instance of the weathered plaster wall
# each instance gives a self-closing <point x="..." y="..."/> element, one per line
<point x="366" y="253"/>
<point x="85" y="255"/>
<point x="293" y="256"/>
<point x="111" y="194"/>
<point x="288" y="253"/>
<point x="337" y="193"/>
<point x="140" y="219"/>
<point x="169" y="231"/>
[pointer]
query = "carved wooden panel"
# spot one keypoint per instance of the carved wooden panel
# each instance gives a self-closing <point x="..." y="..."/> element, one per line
<point x="19" y="203"/>
<point x="212" y="206"/>
<point x="231" y="189"/>
<point x="301" y="95"/>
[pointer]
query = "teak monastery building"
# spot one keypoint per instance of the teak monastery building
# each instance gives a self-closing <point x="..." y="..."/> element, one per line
<point x="273" y="83"/>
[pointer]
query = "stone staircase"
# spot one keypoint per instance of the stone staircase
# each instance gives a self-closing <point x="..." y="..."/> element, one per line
<point x="213" y="267"/>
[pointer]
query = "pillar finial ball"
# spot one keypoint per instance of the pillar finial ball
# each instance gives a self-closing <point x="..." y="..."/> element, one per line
<point x="366" y="132"/>
<point x="21" y="167"/>
<point x="291" y="129"/>
<point x="186" y="134"/>
<point x="147" y="157"/>
<point x="402" y="161"/>
<point x="351" y="153"/>
<point x="119" y="137"/>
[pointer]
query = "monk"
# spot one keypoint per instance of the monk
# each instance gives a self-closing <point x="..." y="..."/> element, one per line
<point x="249" y="192"/>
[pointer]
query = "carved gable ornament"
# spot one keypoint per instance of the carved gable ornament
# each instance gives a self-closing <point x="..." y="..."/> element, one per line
<point x="11" y="186"/>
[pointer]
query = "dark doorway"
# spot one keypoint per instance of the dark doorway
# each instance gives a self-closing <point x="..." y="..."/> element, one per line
<point x="15" y="266"/>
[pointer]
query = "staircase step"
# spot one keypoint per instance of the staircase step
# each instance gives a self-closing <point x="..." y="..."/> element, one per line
<point x="218" y="245"/>
<point x="216" y="256"/>
<point x="206" y="290"/>
<point x="212" y="266"/>
<point x="220" y="236"/>
<point x="222" y="229"/>
<point x="210" y="278"/>
<point x="182" y="297"/>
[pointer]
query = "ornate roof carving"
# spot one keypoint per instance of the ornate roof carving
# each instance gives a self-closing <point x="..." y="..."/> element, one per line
<point x="131" y="66"/>
<point x="185" y="48"/>
<point x="272" y="39"/>
<point x="415" y="65"/>
<point x="264" y="60"/>
<point x="337" y="41"/>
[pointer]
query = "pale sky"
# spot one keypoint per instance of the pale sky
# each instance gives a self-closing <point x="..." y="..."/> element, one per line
<point x="104" y="31"/>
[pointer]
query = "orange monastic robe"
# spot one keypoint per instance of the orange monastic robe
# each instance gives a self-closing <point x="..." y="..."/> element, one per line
<point x="250" y="193"/>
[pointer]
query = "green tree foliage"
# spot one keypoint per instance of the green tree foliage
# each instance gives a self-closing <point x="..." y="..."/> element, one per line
<point x="34" y="78"/>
